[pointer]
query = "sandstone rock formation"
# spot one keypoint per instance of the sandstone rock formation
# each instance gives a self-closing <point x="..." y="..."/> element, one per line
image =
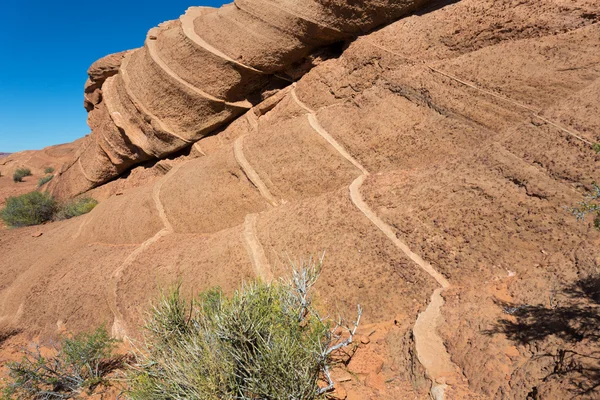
<point x="196" y="74"/>
<point x="433" y="161"/>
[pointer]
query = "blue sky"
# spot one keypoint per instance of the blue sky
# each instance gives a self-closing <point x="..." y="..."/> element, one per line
<point x="46" y="48"/>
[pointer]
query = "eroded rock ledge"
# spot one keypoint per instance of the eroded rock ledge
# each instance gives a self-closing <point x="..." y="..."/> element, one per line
<point x="200" y="72"/>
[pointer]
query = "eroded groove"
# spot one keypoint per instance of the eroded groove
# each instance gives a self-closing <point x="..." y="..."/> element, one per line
<point x="86" y="220"/>
<point x="116" y="113"/>
<point x="118" y="328"/>
<point x="162" y="65"/>
<point x="535" y="113"/>
<point x="430" y="349"/>
<point x="251" y="173"/>
<point x="387" y="230"/>
<point x="314" y="123"/>
<point x="85" y="175"/>
<point x="255" y="249"/>
<point x="146" y="114"/>
<point x="187" y="25"/>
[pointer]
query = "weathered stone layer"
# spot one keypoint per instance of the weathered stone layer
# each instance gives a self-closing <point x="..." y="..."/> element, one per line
<point x="199" y="73"/>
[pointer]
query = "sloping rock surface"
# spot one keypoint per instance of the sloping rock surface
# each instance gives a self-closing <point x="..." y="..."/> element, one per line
<point x="433" y="162"/>
<point x="196" y="74"/>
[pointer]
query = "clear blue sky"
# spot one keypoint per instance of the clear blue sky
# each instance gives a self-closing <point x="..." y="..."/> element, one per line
<point x="46" y="48"/>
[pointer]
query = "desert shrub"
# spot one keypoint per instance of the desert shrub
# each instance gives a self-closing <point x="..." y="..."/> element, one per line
<point x="75" y="208"/>
<point x="49" y="170"/>
<point x="264" y="342"/>
<point x="78" y="363"/>
<point x="44" y="180"/>
<point x="29" y="209"/>
<point x="21" y="173"/>
<point x="591" y="205"/>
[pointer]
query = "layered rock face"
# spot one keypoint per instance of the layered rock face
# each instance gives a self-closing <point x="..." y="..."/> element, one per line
<point x="434" y="162"/>
<point x="198" y="73"/>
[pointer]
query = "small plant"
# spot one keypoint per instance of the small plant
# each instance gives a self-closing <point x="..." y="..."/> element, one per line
<point x="79" y="363"/>
<point x="49" y="170"/>
<point x="264" y="342"/>
<point x="44" y="180"/>
<point x="591" y="205"/>
<point x="596" y="147"/>
<point x="29" y="209"/>
<point x="75" y="208"/>
<point x="21" y="173"/>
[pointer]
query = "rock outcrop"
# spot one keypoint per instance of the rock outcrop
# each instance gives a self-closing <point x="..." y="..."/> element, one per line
<point x="434" y="161"/>
<point x="198" y="73"/>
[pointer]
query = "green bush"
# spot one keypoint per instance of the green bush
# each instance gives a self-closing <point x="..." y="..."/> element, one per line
<point x="75" y="208"/>
<point x="591" y="205"/>
<point x="49" y="170"/>
<point x="78" y="363"/>
<point x="20" y="174"/>
<point x="36" y="208"/>
<point x="45" y="180"/>
<point x="264" y="342"/>
<point x="29" y="209"/>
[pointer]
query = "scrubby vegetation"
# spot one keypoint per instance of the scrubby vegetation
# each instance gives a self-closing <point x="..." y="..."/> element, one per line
<point x="264" y="342"/>
<point x="591" y="205"/>
<point x="29" y="209"/>
<point x="77" y="364"/>
<point x="49" y="170"/>
<point x="36" y="208"/>
<point x="20" y="174"/>
<point x="44" y="180"/>
<point x="75" y="208"/>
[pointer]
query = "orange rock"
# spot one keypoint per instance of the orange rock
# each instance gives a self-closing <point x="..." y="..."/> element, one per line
<point x="339" y="392"/>
<point x="512" y="352"/>
<point x="375" y="381"/>
<point x="366" y="361"/>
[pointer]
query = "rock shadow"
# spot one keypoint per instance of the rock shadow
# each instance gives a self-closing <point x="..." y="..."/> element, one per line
<point x="571" y="324"/>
